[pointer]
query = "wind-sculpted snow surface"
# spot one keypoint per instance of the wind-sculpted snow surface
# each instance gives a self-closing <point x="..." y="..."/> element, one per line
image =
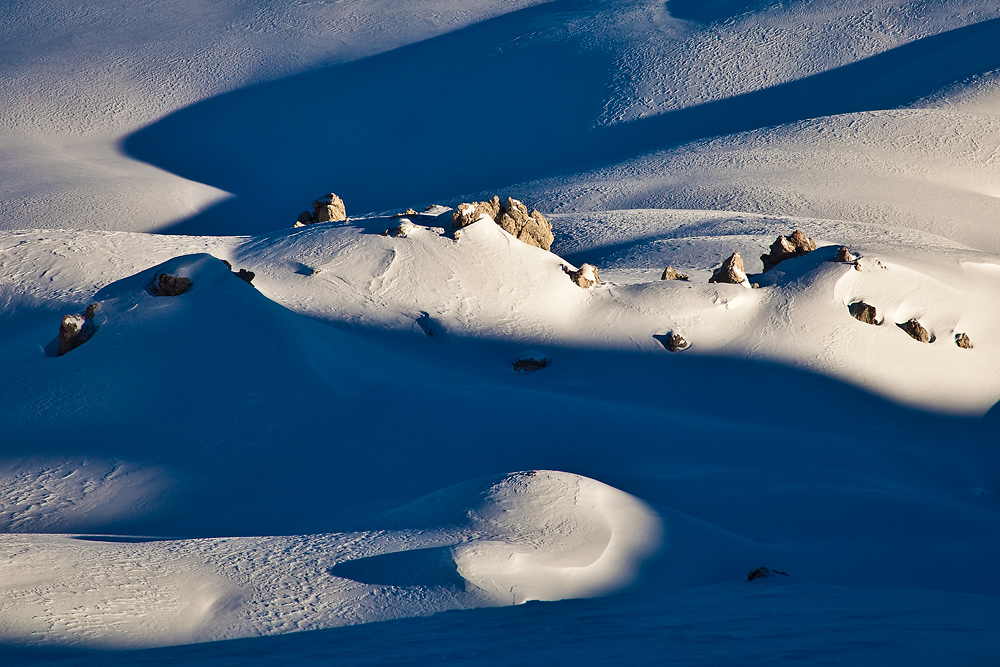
<point x="537" y="535"/>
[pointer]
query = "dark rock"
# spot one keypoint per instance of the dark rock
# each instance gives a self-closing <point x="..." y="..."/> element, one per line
<point x="165" y="284"/>
<point x="844" y="255"/>
<point x="762" y="572"/>
<point x="670" y="273"/>
<point x="305" y="218"/>
<point x="248" y="276"/>
<point x="530" y="364"/>
<point x="586" y="276"/>
<point x="228" y="265"/>
<point x="787" y="247"/>
<point x="730" y="272"/>
<point x="329" y="208"/>
<point x="863" y="312"/>
<point x="673" y="342"/>
<point x="916" y="331"/>
<point x="962" y="340"/>
<point x="75" y="330"/>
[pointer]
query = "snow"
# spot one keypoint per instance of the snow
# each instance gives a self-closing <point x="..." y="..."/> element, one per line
<point x="336" y="463"/>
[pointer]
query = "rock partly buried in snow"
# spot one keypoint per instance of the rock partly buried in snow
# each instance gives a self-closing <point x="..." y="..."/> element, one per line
<point x="406" y="213"/>
<point x="530" y="364"/>
<point x="844" y="255"/>
<point x="731" y="272"/>
<point x="674" y="342"/>
<point x="762" y="572"/>
<point x="466" y="214"/>
<point x="513" y="218"/>
<point x="670" y="273"/>
<point x="962" y="340"/>
<point x="75" y="330"/>
<point x="305" y="218"/>
<point x="916" y="331"/>
<point x="787" y="247"/>
<point x="165" y="284"/>
<point x="532" y="229"/>
<point x="586" y="276"/>
<point x="247" y="276"/>
<point x="864" y="312"/>
<point x="329" y="208"/>
<point x="404" y="227"/>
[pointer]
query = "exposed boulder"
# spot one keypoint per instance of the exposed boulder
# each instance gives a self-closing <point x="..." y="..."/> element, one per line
<point x="787" y="247"/>
<point x="863" y="312"/>
<point x="916" y="331"/>
<point x="466" y="214"/>
<point x="405" y="213"/>
<point x="670" y="273"/>
<point x="586" y="276"/>
<point x="962" y="340"/>
<point x="248" y="276"/>
<point x="731" y="271"/>
<point x="530" y="364"/>
<point x="404" y="227"/>
<point x="75" y="330"/>
<point x="674" y="342"/>
<point x="165" y="284"/>
<point x="844" y="255"/>
<point x="513" y="218"/>
<point x="305" y="218"/>
<point x="329" y="208"/>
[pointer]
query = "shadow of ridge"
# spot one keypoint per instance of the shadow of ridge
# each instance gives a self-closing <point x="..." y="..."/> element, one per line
<point x="477" y="109"/>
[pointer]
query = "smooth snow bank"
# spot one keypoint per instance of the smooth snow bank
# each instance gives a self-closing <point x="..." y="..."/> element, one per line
<point x="539" y="535"/>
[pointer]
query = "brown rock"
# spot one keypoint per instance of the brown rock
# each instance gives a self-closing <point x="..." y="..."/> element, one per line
<point x="916" y="330"/>
<point x="788" y="247"/>
<point x="863" y="312"/>
<point x="676" y="342"/>
<point x="532" y="229"/>
<point x="329" y="208"/>
<point x="165" y="284"/>
<point x="75" y="330"/>
<point x="731" y="271"/>
<point x="670" y="273"/>
<point x="405" y="213"/>
<point x="962" y="340"/>
<point x="466" y="214"/>
<point x="844" y="255"/>
<point x="404" y="227"/>
<point x="586" y="276"/>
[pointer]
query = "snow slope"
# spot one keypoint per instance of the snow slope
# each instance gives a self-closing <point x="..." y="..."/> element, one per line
<point x="238" y="473"/>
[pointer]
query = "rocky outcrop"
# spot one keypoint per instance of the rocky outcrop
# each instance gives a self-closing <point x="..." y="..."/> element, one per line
<point x="75" y="330"/>
<point x="962" y="340"/>
<point x="586" y="276"/>
<point x="863" y="312"/>
<point x="165" y="284"/>
<point x="670" y="273"/>
<point x="245" y="275"/>
<point x="916" y="331"/>
<point x="731" y="271"/>
<point x="513" y="218"/>
<point x="530" y="364"/>
<point x="405" y="213"/>
<point x="844" y="255"/>
<point x="787" y="247"/>
<point x="329" y="208"/>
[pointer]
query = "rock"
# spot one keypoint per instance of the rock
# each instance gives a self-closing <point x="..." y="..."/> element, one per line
<point x="513" y="218"/>
<point x="675" y="342"/>
<point x="586" y="276"/>
<point x="916" y="330"/>
<point x="404" y="227"/>
<point x="530" y="364"/>
<point x="863" y="312"/>
<point x="730" y="272"/>
<point x="248" y="276"/>
<point x="466" y="214"/>
<point x="844" y="255"/>
<point x="405" y="213"/>
<point x="75" y="330"/>
<point x="670" y="274"/>
<point x="762" y="572"/>
<point x="228" y="265"/>
<point x="329" y="208"/>
<point x="962" y="340"/>
<point x="787" y="247"/>
<point x="532" y="229"/>
<point x="165" y="284"/>
<point x="305" y="218"/>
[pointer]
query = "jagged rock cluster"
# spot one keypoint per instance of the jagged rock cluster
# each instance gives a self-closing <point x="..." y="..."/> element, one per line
<point x="670" y="273"/>
<point x="165" y="284"/>
<point x="586" y="276"/>
<point x="512" y="216"/>
<point x="731" y="271"/>
<point x="787" y="247"/>
<point x="75" y="330"/>
<point x="328" y="208"/>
